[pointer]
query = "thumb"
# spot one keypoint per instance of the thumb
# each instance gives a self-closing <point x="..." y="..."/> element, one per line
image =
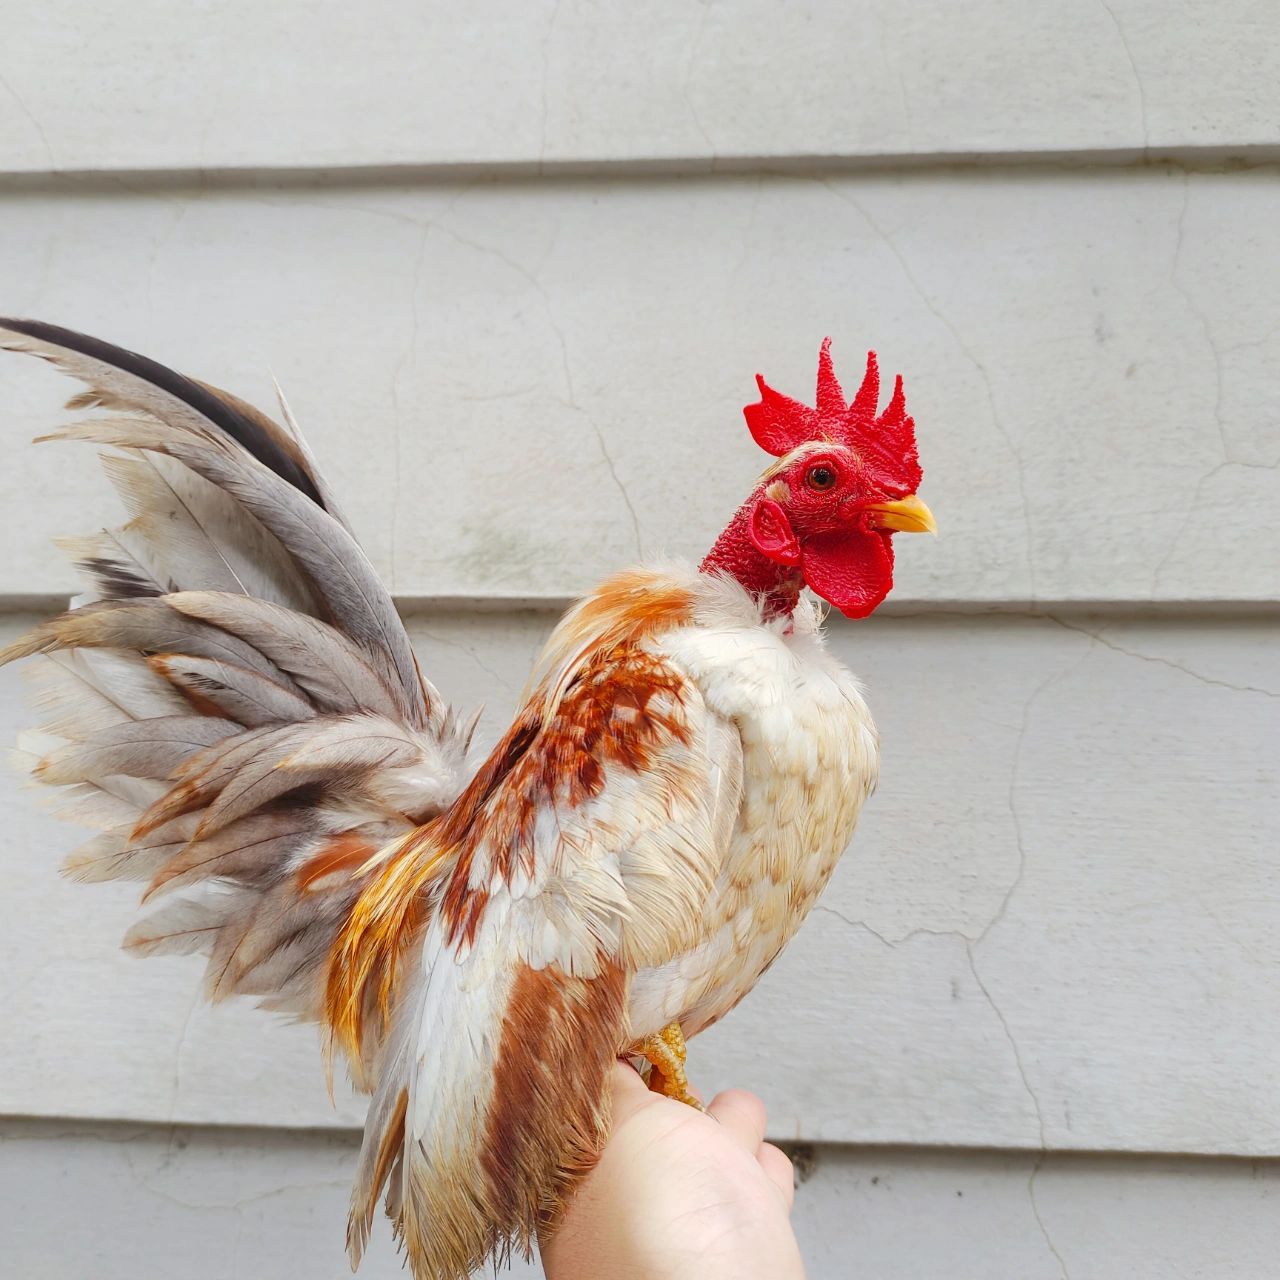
<point x="630" y="1093"/>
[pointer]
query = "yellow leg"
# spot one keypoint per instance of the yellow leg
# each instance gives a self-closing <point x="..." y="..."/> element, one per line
<point x="665" y="1053"/>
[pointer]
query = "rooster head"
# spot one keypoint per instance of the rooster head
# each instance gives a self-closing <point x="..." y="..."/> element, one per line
<point x="844" y="483"/>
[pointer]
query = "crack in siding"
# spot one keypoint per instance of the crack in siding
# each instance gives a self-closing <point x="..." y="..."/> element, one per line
<point x="622" y="490"/>
<point x="410" y="351"/>
<point x="1164" y="662"/>
<point x="493" y="251"/>
<point x="1035" y="1102"/>
<point x="571" y="400"/>
<point x="570" y="397"/>
<point x="1013" y="1043"/>
<point x="894" y="61"/>
<point x="1019" y="1064"/>
<point x="892" y="943"/>
<point x="971" y="944"/>
<point x="1194" y="505"/>
<point x="1014" y="817"/>
<point x="1035" y="1209"/>
<point x="480" y="397"/>
<point x="1015" y="768"/>
<point x="1137" y="79"/>
<point x="179" y="1049"/>
<point x="470" y="652"/>
<point x="1014" y="773"/>
<point x="688" y="79"/>
<point x="7" y="86"/>
<point x="969" y="354"/>
<point x="236" y="1206"/>
<point x="1200" y="316"/>
<point x="424" y="226"/>
<point x="1202" y="319"/>
<point x="546" y="83"/>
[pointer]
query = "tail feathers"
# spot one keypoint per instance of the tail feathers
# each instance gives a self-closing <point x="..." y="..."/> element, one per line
<point x="238" y="715"/>
<point x="117" y="855"/>
<point x="240" y="720"/>
<point x="334" y="672"/>
<point x="81" y="691"/>
<point x="120" y="379"/>
<point x="265" y="831"/>
<point x="327" y="498"/>
<point x="227" y="689"/>
<point x="144" y="627"/>
<point x="290" y="550"/>
<point x="135" y="748"/>
<point x="272" y="943"/>
<point x="492" y="1102"/>
<point x="192" y="535"/>
<point x="345" y="583"/>
<point x="244" y="775"/>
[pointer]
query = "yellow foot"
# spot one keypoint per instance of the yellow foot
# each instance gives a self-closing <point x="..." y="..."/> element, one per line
<point x="666" y="1054"/>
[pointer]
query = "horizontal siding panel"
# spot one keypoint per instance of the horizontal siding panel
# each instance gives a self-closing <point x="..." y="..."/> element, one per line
<point x="517" y="387"/>
<point x="219" y="1205"/>
<point x="1057" y="925"/>
<point x="286" y="85"/>
<point x="201" y="1204"/>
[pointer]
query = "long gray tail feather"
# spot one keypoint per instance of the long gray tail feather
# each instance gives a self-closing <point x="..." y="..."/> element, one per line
<point x="236" y="708"/>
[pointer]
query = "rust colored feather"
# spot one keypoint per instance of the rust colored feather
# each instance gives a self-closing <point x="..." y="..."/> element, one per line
<point x="550" y="1115"/>
<point x="555" y="753"/>
<point x="345" y="853"/>
<point x="562" y="765"/>
<point x="365" y="953"/>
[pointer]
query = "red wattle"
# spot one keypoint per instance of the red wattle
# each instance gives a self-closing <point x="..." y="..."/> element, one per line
<point x="851" y="570"/>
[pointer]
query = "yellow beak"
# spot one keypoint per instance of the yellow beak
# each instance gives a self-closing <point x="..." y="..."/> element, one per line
<point x="906" y="515"/>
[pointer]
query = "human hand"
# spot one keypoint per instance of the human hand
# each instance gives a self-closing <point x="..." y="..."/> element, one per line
<point x="680" y="1195"/>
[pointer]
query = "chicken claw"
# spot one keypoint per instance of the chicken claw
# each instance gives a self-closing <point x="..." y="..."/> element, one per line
<point x="666" y="1053"/>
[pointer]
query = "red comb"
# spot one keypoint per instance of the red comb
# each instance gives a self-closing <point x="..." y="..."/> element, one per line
<point x="887" y="443"/>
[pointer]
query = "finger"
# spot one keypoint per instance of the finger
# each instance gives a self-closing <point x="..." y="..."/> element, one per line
<point x="742" y="1114"/>
<point x="630" y="1093"/>
<point x="780" y="1172"/>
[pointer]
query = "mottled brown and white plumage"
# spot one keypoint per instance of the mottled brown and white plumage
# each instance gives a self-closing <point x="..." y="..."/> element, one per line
<point x="236" y="711"/>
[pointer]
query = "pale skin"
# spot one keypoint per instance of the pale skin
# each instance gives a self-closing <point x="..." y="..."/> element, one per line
<point x="681" y="1194"/>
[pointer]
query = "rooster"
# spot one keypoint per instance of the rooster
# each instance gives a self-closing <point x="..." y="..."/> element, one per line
<point x="236" y="710"/>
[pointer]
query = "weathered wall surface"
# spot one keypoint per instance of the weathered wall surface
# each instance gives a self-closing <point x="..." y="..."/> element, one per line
<point x="515" y="271"/>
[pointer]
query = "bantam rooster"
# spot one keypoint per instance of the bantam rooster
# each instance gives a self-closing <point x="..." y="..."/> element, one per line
<point x="236" y="710"/>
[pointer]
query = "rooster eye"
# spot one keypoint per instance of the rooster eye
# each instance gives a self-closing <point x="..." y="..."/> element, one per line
<point x="820" y="478"/>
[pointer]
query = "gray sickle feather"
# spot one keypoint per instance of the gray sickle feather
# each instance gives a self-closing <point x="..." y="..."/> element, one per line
<point x="238" y="713"/>
<point x="185" y="927"/>
<point x="115" y="856"/>
<point x="355" y="748"/>
<point x="250" y="851"/>
<point x="230" y="690"/>
<point x="195" y="537"/>
<point x="243" y="453"/>
<point x="334" y="672"/>
<point x="146" y="627"/>
<point x="136" y="748"/>
<point x="273" y="939"/>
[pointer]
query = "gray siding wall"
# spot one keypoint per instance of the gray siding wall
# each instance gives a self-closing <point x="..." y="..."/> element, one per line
<point x="515" y="269"/>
